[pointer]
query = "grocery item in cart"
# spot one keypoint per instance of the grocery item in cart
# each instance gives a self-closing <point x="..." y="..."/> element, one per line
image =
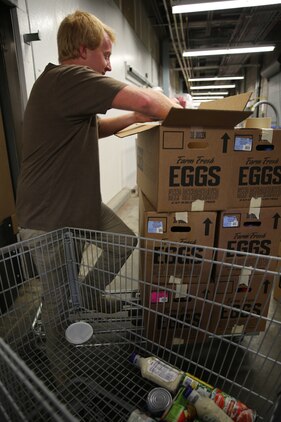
<point x="202" y="387"/>
<point x="206" y="409"/>
<point x="158" y="371"/>
<point x="78" y="332"/>
<point x="180" y="411"/>
<point x="158" y="401"/>
<point x="138" y="416"/>
<point x="237" y="410"/>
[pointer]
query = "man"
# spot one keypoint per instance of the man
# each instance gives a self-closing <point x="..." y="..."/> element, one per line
<point x="59" y="184"/>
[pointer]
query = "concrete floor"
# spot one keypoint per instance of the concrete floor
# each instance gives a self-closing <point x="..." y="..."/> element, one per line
<point x="129" y="212"/>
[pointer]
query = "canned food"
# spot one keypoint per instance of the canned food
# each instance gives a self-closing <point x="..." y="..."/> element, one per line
<point x="158" y="401"/>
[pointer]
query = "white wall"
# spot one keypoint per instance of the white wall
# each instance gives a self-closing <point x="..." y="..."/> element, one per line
<point x="274" y="97"/>
<point x="118" y="158"/>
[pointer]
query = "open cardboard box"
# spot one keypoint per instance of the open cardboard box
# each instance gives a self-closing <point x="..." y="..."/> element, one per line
<point x="183" y="163"/>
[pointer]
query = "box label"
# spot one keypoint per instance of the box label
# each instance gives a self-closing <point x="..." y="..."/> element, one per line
<point x="230" y="221"/>
<point x="155" y="227"/>
<point x="243" y="143"/>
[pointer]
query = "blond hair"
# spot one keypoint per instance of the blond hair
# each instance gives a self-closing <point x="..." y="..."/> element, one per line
<point x="80" y="29"/>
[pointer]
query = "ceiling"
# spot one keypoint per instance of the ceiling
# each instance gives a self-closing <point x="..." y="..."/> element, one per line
<point x="223" y="28"/>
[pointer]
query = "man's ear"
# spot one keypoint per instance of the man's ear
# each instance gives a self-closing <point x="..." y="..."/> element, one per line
<point x="83" y="52"/>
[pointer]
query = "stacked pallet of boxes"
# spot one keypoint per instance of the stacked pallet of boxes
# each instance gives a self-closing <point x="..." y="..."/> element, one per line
<point x="187" y="171"/>
<point x="251" y="222"/>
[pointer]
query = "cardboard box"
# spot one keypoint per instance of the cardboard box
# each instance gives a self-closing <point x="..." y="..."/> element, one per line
<point x="163" y="259"/>
<point x="253" y="237"/>
<point x="175" y="277"/>
<point x="178" y="324"/>
<point x="256" y="168"/>
<point x="277" y="288"/>
<point x="7" y="201"/>
<point x="241" y="304"/>
<point x="183" y="163"/>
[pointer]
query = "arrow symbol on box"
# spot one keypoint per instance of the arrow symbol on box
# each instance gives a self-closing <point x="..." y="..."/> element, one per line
<point x="276" y="218"/>
<point x="225" y="139"/>
<point x="207" y="223"/>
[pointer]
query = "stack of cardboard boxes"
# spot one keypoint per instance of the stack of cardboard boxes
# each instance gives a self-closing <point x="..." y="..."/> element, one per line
<point x="204" y="182"/>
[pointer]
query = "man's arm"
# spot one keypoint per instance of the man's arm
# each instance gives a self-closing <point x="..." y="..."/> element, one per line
<point x="146" y="104"/>
<point x="110" y="125"/>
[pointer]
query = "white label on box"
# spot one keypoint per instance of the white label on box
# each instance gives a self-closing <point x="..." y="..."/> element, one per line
<point x="155" y="227"/>
<point x="243" y="143"/>
<point x="230" y="221"/>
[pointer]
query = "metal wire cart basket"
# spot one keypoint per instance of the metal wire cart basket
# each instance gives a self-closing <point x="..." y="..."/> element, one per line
<point x="207" y="312"/>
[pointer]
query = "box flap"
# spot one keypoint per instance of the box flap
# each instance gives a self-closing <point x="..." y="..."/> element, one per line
<point x="234" y="102"/>
<point x="204" y="118"/>
<point x="227" y="112"/>
<point x="136" y="128"/>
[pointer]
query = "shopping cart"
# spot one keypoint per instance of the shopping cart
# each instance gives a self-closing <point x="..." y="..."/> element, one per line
<point x="206" y="311"/>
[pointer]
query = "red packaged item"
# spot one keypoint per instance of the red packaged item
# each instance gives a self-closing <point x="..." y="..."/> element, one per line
<point x="237" y="410"/>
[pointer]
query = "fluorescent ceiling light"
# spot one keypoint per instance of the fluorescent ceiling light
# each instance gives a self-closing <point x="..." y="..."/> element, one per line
<point x="211" y="93"/>
<point x="217" y="78"/>
<point x="226" y="51"/>
<point x="218" y="97"/>
<point x="212" y="86"/>
<point x="221" y="5"/>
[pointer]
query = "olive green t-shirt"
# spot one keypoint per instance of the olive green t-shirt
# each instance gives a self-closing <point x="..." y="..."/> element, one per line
<point x="59" y="182"/>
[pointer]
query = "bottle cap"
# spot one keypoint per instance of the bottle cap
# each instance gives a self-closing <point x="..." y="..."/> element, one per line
<point x="132" y="357"/>
<point x="158" y="400"/>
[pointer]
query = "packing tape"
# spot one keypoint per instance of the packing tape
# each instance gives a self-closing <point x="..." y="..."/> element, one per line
<point x="245" y="275"/>
<point x="181" y="291"/>
<point x="181" y="216"/>
<point x="197" y="205"/>
<point x="176" y="341"/>
<point x="237" y="329"/>
<point x="255" y="207"/>
<point x="267" y="134"/>
<point x="175" y="280"/>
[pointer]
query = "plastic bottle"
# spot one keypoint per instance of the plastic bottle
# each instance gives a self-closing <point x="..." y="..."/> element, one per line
<point x="138" y="416"/>
<point x="206" y="409"/>
<point x="234" y="408"/>
<point x="159" y="372"/>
